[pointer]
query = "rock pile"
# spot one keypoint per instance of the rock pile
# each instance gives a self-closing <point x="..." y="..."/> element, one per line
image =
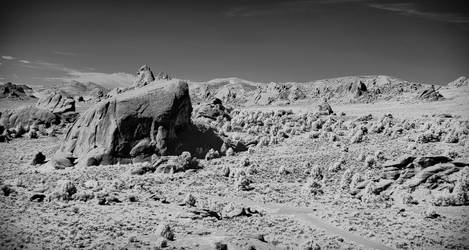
<point x="277" y="93"/>
<point x="437" y="178"/>
<point x="10" y="90"/>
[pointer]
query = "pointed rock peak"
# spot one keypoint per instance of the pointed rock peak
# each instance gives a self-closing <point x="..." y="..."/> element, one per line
<point x="144" y="76"/>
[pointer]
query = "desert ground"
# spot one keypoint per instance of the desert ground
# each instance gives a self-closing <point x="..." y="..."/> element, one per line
<point x="331" y="181"/>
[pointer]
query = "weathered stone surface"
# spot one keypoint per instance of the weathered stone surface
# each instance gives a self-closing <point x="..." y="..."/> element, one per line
<point x="27" y="116"/>
<point x="143" y="120"/>
<point x="430" y="94"/>
<point x="423" y="175"/>
<point x="426" y="161"/>
<point x="56" y="103"/>
<point x="144" y="76"/>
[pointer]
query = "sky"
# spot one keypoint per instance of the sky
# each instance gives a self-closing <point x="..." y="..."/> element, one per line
<point x="44" y="42"/>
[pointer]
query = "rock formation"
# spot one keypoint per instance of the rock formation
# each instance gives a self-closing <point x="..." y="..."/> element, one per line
<point x="10" y="90"/>
<point x="56" y="103"/>
<point x="460" y="82"/>
<point x="28" y="116"/>
<point x="278" y="93"/>
<point x="430" y="94"/>
<point x="213" y="110"/>
<point x="144" y="76"/>
<point x="141" y="121"/>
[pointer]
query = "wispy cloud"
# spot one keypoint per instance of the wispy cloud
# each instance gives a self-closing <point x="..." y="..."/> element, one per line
<point x="8" y="57"/>
<point x="421" y="9"/>
<point x="412" y="9"/>
<point x="24" y="61"/>
<point x="64" y="53"/>
<point x="281" y="7"/>
<point x="65" y="74"/>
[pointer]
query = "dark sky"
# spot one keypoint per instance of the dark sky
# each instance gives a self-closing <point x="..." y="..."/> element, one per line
<point x="298" y="40"/>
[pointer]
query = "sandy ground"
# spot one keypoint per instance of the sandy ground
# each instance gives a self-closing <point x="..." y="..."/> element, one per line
<point x="283" y="214"/>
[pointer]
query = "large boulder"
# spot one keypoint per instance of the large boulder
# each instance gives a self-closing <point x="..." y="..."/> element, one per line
<point x="144" y="120"/>
<point x="56" y="103"/>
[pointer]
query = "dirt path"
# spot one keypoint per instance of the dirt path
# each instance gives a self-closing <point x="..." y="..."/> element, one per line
<point x="303" y="215"/>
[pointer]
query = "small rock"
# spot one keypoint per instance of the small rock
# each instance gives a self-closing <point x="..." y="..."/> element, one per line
<point x="283" y="171"/>
<point x="245" y="162"/>
<point x="39" y="158"/>
<point x="229" y="152"/>
<point x="225" y="171"/>
<point x="165" y="231"/>
<point x="37" y="197"/>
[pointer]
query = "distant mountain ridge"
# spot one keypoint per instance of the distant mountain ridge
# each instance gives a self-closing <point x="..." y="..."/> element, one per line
<point x="366" y="88"/>
<point x="75" y="88"/>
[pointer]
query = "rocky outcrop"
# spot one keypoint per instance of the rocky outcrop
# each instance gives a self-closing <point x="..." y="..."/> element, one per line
<point x="163" y="76"/>
<point x="10" y="90"/>
<point x="430" y="94"/>
<point x="278" y="93"/>
<point x="27" y="116"/>
<point x="56" y="103"/>
<point x="134" y="124"/>
<point x="144" y="76"/>
<point x="460" y="82"/>
<point x="212" y="110"/>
